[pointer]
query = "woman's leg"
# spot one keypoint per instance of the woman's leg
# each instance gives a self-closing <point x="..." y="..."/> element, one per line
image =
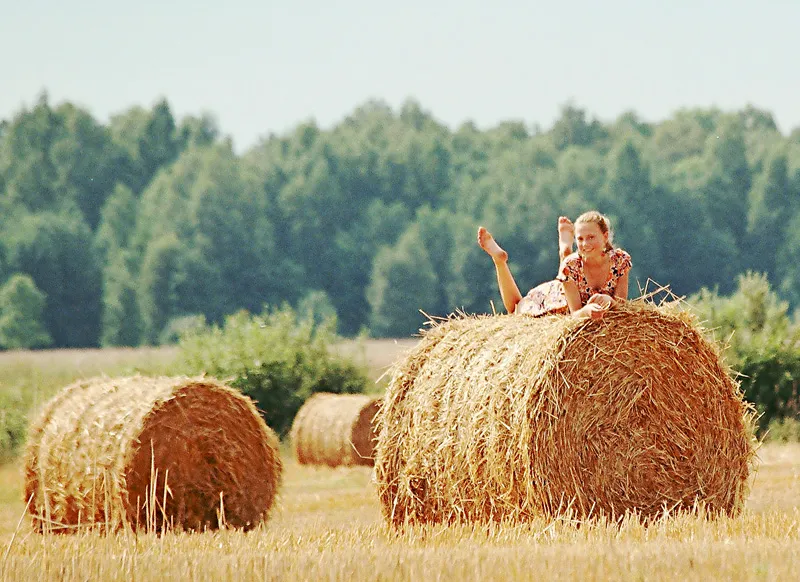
<point x="505" y="280"/>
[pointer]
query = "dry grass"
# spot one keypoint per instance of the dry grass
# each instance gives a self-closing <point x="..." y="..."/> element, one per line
<point x="327" y="526"/>
<point x="379" y="355"/>
<point x="32" y="377"/>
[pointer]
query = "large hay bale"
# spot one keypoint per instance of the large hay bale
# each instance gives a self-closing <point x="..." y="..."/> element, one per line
<point x="511" y="417"/>
<point x="335" y="429"/>
<point x="189" y="453"/>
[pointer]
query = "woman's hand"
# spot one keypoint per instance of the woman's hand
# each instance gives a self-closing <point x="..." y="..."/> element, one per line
<point x="593" y="310"/>
<point x="600" y="299"/>
<point x="596" y="307"/>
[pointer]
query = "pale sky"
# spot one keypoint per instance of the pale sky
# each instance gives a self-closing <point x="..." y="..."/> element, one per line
<point x="265" y="66"/>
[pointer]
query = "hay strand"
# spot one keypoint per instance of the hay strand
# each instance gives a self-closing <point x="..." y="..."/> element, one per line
<point x="150" y="453"/>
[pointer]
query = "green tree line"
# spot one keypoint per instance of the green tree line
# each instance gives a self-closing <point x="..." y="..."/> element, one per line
<point x="123" y="233"/>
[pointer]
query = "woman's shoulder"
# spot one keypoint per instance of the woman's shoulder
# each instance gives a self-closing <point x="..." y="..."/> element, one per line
<point x="621" y="257"/>
<point x="570" y="267"/>
<point x="573" y="259"/>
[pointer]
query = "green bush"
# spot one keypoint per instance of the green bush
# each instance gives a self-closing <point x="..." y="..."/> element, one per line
<point x="770" y="381"/>
<point x="762" y="344"/>
<point x="13" y="426"/>
<point x="178" y="327"/>
<point x="278" y="358"/>
<point x="784" y="430"/>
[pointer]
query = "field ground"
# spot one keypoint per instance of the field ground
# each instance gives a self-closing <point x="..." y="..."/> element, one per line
<point x="34" y="376"/>
<point x="378" y="355"/>
<point x="327" y="525"/>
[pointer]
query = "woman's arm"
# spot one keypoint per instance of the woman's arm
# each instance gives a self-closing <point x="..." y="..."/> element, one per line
<point x="623" y="263"/>
<point x="572" y="294"/>
<point x="621" y="292"/>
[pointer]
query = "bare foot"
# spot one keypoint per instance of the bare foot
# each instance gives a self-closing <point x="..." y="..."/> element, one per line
<point x="566" y="236"/>
<point x="487" y="242"/>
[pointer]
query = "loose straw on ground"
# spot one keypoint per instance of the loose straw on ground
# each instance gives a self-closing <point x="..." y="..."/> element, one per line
<point x="150" y="453"/>
<point x="335" y="429"/>
<point x="511" y="417"/>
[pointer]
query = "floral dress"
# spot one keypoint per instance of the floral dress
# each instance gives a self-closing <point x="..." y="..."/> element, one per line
<point x="549" y="298"/>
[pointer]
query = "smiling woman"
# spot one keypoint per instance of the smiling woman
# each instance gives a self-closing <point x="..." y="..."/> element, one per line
<point x="589" y="281"/>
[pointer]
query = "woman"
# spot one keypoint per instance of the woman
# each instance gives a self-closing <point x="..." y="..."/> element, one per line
<point x="588" y="281"/>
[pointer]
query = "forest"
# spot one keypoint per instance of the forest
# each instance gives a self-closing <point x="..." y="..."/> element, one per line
<point x="129" y="232"/>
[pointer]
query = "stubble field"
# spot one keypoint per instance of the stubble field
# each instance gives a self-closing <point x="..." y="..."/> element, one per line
<point x="327" y="524"/>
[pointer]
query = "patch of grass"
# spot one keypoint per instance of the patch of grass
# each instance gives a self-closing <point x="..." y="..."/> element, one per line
<point x="29" y="378"/>
<point x="784" y="430"/>
<point x="36" y="375"/>
<point x="379" y="356"/>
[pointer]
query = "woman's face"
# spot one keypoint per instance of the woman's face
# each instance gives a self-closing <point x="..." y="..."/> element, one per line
<point x="591" y="240"/>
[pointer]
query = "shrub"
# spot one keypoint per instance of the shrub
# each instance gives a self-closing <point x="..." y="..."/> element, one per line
<point x="177" y="327"/>
<point x="752" y="320"/>
<point x="784" y="430"/>
<point x="761" y="343"/>
<point x="770" y="381"/>
<point x="13" y="425"/>
<point x="278" y="358"/>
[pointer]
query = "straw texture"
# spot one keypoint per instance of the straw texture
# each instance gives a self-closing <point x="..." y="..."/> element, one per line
<point x="335" y="429"/>
<point x="511" y="417"/>
<point x="188" y="453"/>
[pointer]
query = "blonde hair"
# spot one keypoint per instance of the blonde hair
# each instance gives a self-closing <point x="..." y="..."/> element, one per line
<point x="594" y="217"/>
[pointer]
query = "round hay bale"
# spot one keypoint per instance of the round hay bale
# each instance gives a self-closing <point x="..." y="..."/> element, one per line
<point x="335" y="429"/>
<point x="188" y="453"/>
<point x="512" y="417"/>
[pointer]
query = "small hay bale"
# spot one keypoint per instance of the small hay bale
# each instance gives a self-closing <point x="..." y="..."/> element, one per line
<point x="335" y="429"/>
<point x="188" y="453"/>
<point x="512" y="417"/>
